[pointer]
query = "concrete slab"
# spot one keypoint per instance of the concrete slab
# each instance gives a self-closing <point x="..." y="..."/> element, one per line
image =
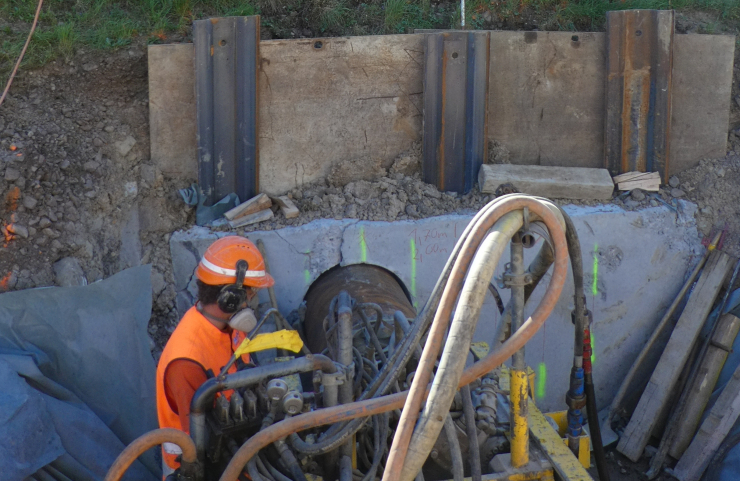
<point x="635" y="263"/>
<point x="550" y="182"/>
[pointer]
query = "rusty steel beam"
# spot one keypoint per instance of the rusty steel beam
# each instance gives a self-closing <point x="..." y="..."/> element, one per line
<point x="638" y="91"/>
<point x="226" y="85"/>
<point x="455" y="108"/>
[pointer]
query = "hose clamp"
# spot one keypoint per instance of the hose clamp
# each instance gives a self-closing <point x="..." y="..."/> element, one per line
<point x="509" y="280"/>
<point x="333" y="379"/>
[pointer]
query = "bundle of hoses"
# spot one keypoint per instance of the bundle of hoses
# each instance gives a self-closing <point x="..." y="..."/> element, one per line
<point x="469" y="267"/>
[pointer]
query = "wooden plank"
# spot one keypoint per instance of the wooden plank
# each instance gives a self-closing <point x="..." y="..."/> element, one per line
<point x="649" y="185"/>
<point x="656" y="396"/>
<point x="260" y="216"/>
<point x="553" y="182"/>
<point x="255" y="204"/>
<point x="362" y="96"/>
<point x="546" y="99"/>
<point x="287" y="207"/>
<point x="171" y="69"/>
<point x="638" y="90"/>
<point x="713" y="431"/>
<point x="704" y="382"/>
<point x="702" y="89"/>
<point x="636" y="176"/>
<point x="566" y="464"/>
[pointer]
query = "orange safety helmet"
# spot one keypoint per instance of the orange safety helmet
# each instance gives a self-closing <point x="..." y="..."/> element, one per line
<point x="218" y="265"/>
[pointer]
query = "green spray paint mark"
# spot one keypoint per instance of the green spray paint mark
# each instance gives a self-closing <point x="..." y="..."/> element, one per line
<point x="593" y="349"/>
<point x="412" y="247"/>
<point x="541" y="380"/>
<point x="594" y="286"/>
<point x="307" y="277"/>
<point x="363" y="246"/>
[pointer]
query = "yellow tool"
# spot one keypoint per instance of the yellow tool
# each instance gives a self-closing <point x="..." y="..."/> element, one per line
<point x="285" y="339"/>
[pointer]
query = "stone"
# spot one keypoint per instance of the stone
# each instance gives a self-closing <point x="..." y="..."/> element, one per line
<point x="411" y="210"/>
<point x="44" y="222"/>
<point x="56" y="245"/>
<point x="91" y="166"/>
<point x="12" y="174"/>
<point x="158" y="282"/>
<point x="18" y="230"/>
<point x="131" y="188"/>
<point x="677" y="193"/>
<point x="68" y="273"/>
<point x="97" y="142"/>
<point x="123" y="147"/>
<point x="64" y="165"/>
<point x="673" y="181"/>
<point x="638" y="195"/>
<point x="29" y="202"/>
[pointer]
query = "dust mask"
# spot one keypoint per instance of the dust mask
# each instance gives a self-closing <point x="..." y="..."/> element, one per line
<point x="243" y="320"/>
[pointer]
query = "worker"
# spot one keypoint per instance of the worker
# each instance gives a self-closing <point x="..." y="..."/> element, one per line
<point x="228" y="276"/>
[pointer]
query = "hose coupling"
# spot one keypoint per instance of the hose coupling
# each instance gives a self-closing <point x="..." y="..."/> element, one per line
<point x="588" y="316"/>
<point x="575" y="422"/>
<point x="190" y="471"/>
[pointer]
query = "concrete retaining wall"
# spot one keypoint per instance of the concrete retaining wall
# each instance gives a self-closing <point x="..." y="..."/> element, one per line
<point x="635" y="263"/>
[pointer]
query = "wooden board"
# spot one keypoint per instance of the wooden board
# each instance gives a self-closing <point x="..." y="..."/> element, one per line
<point x="546" y="104"/>
<point x="712" y="432"/>
<point x="657" y="393"/>
<point x="172" y="111"/>
<point x="700" y="113"/>
<point x="551" y="182"/>
<point x="362" y="96"/>
<point x="255" y="204"/>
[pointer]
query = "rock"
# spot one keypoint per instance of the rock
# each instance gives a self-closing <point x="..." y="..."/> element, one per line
<point x="406" y="165"/>
<point x="12" y="174"/>
<point x="412" y="211"/>
<point x="19" y="230"/>
<point x="29" y="202"/>
<point x="158" y="282"/>
<point x="97" y="142"/>
<point x="109" y="128"/>
<point x="44" y="222"/>
<point x="637" y="194"/>
<point x="64" y="165"/>
<point x="677" y="193"/>
<point x="91" y="166"/>
<point x="673" y="181"/>
<point x="131" y="188"/>
<point x="89" y="67"/>
<point x="56" y="245"/>
<point x="720" y="172"/>
<point x="21" y="182"/>
<point x="123" y="147"/>
<point x="68" y="273"/>
<point x="351" y="211"/>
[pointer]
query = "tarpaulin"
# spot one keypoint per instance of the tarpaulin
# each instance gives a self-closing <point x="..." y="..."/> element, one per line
<point x="76" y="379"/>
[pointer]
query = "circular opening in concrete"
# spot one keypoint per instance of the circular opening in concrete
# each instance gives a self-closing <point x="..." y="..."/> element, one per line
<point x="454" y="54"/>
<point x="574" y="38"/>
<point x="638" y="33"/>
<point x="222" y="43"/>
<point x="318" y="44"/>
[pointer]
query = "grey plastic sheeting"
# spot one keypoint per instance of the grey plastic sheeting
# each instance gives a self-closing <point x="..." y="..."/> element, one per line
<point x="76" y="379"/>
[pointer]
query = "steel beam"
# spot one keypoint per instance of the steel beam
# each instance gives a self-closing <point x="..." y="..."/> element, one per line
<point x="638" y="91"/>
<point x="455" y="108"/>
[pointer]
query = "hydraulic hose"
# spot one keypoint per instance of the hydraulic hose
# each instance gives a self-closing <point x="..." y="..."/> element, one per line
<point x="582" y="344"/>
<point x="147" y="441"/>
<point x="452" y="282"/>
<point x="412" y="443"/>
<point x="472" y="432"/>
<point x="458" y="471"/>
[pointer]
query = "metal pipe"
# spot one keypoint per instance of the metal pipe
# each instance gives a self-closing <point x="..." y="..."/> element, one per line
<point x="203" y="397"/>
<point x="345" y="357"/>
<point x="519" y="392"/>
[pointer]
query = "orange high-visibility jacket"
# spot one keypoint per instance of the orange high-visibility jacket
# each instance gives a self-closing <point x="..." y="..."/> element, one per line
<point x="194" y="339"/>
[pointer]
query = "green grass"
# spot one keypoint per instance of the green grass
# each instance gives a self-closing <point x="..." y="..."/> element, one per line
<point x="66" y="25"/>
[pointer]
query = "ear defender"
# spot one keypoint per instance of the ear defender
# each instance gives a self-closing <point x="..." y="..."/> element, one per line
<point x="233" y="295"/>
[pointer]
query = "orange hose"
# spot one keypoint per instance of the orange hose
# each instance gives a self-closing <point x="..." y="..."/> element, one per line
<point x="147" y="441"/>
<point x="383" y="404"/>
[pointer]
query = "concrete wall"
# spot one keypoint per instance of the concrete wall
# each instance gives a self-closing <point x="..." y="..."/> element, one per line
<point x="358" y="97"/>
<point x="642" y="258"/>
